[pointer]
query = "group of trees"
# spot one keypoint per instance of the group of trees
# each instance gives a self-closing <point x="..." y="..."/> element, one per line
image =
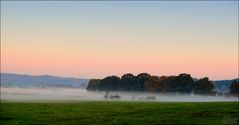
<point x="183" y="83"/>
<point x="128" y="82"/>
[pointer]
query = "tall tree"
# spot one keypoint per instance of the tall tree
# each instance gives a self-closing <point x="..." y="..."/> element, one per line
<point x="203" y="86"/>
<point x="152" y="84"/>
<point x="141" y="78"/>
<point x="184" y="83"/>
<point x="109" y="83"/>
<point x="168" y="83"/>
<point x="127" y="83"/>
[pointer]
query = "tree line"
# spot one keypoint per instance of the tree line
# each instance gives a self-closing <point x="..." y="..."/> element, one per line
<point x="183" y="83"/>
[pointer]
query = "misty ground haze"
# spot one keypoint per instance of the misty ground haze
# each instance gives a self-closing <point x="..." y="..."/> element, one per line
<point x="72" y="95"/>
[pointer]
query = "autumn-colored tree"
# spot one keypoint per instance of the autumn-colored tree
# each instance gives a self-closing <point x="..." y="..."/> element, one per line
<point x="168" y="83"/>
<point x="234" y="88"/>
<point x="152" y="84"/>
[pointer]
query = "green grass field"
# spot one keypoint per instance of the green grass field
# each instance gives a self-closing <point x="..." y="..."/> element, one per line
<point x="109" y="112"/>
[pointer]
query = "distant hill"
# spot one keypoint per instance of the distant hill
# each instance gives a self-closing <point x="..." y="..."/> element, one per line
<point x="17" y="80"/>
<point x="223" y="86"/>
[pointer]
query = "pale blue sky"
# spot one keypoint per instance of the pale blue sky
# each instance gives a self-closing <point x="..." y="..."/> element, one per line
<point x="159" y="31"/>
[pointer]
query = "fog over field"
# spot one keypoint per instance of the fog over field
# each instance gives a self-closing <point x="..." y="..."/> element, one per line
<point x="71" y="95"/>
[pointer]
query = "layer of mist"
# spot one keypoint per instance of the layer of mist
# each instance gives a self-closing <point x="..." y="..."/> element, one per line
<point x="71" y="94"/>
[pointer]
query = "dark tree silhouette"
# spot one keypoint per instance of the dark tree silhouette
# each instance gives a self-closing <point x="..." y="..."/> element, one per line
<point x="184" y="83"/>
<point x="141" y="78"/>
<point x="128" y="82"/>
<point x="168" y="83"/>
<point x="109" y="83"/>
<point x="152" y="84"/>
<point x="234" y="88"/>
<point x="93" y="84"/>
<point x="203" y="86"/>
<point x="181" y="84"/>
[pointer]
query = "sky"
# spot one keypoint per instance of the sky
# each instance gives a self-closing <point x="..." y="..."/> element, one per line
<point x="96" y="39"/>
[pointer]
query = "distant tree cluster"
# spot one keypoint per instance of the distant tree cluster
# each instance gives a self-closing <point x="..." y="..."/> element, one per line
<point x="183" y="83"/>
<point x="128" y="82"/>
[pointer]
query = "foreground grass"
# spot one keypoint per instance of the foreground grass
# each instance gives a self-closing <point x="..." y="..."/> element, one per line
<point x="93" y="112"/>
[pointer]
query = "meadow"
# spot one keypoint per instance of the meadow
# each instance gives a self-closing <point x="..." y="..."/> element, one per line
<point x="119" y="112"/>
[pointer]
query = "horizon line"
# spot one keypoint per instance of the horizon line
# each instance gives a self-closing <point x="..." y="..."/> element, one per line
<point x="75" y="77"/>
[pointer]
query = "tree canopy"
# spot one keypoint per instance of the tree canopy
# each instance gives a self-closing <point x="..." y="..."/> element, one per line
<point x="183" y="83"/>
<point x="203" y="86"/>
